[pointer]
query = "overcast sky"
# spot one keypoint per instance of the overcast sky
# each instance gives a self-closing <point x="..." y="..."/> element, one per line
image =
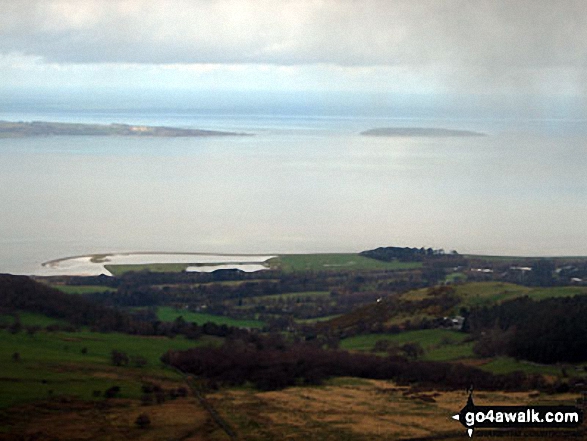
<point x="530" y="48"/>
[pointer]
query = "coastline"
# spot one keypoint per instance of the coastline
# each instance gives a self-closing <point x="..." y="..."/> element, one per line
<point x="21" y="129"/>
<point x="95" y="264"/>
<point x="100" y="255"/>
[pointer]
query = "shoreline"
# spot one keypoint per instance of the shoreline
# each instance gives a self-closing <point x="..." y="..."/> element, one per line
<point x="95" y="264"/>
<point x="101" y="256"/>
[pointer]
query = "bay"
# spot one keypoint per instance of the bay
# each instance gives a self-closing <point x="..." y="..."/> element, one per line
<point x="300" y="184"/>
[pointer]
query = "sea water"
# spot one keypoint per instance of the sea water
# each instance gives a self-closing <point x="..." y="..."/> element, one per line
<point x="299" y="184"/>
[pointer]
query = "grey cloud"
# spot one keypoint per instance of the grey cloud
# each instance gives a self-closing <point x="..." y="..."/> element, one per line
<point x="485" y="35"/>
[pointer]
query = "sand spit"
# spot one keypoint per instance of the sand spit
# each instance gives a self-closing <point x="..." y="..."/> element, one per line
<point x="94" y="264"/>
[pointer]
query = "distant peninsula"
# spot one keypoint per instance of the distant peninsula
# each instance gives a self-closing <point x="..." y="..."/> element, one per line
<point x="42" y="128"/>
<point x="419" y="131"/>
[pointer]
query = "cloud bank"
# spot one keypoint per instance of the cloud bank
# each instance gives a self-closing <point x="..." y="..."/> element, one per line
<point x="524" y="47"/>
<point x="485" y="33"/>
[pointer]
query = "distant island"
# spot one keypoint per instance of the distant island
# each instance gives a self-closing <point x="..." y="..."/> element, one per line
<point x="41" y="128"/>
<point x="418" y="131"/>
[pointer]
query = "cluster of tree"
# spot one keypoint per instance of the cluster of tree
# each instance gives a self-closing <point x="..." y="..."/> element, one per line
<point x="135" y="278"/>
<point x="138" y="289"/>
<point x="248" y="299"/>
<point x="541" y="272"/>
<point x="153" y="393"/>
<point x="302" y="306"/>
<point x="101" y="280"/>
<point x="573" y="270"/>
<point x="548" y="331"/>
<point x="275" y="366"/>
<point x="16" y="326"/>
<point x="22" y="293"/>
<point x="120" y="358"/>
<point x="405" y="254"/>
<point x="530" y="271"/>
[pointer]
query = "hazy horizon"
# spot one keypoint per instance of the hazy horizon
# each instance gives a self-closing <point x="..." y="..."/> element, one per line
<point x="480" y="57"/>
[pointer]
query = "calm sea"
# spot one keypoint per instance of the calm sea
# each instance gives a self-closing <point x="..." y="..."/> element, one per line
<point x="300" y="184"/>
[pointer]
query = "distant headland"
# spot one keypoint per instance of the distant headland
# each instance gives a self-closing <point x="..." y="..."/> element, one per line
<point x="418" y="131"/>
<point x="41" y="128"/>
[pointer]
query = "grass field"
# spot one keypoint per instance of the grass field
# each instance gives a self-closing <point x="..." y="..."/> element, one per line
<point x="335" y="262"/>
<point x="295" y="295"/>
<point x="481" y="293"/>
<point x="503" y="365"/>
<point x="55" y="362"/>
<point x="559" y="291"/>
<point x="32" y="319"/>
<point x="168" y="314"/>
<point x="455" y="277"/>
<point x="317" y="319"/>
<point x="489" y="293"/>
<point x="447" y="345"/>
<point x="118" y="270"/>
<point x="438" y="344"/>
<point x="287" y="263"/>
<point x="82" y="289"/>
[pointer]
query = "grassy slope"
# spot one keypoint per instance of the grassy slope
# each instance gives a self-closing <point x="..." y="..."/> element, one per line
<point x="317" y="319"/>
<point x="487" y="293"/>
<point x="55" y="362"/>
<point x="82" y="289"/>
<point x="118" y="270"/>
<point x="438" y="344"/>
<point x="32" y="319"/>
<point x="446" y="345"/>
<point x="503" y="365"/>
<point x="303" y="295"/>
<point x="168" y="314"/>
<point x="325" y="262"/>
<point x="472" y="294"/>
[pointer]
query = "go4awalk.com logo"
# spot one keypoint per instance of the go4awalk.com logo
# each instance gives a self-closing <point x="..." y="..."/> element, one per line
<point x="518" y="417"/>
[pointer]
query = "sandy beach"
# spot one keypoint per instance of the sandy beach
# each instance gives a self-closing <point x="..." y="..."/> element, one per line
<point x="94" y="264"/>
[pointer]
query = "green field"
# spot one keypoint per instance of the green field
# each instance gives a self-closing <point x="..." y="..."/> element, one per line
<point x="449" y="352"/>
<point x="169" y="314"/>
<point x="504" y="365"/>
<point x="335" y="262"/>
<point x="287" y="263"/>
<point x="455" y="277"/>
<point x="55" y="362"/>
<point x="295" y="295"/>
<point x="118" y="270"/>
<point x="558" y="259"/>
<point x="438" y="344"/>
<point x="32" y="319"/>
<point x="82" y="289"/>
<point x="483" y="293"/>
<point x="317" y="319"/>
<point x="490" y="293"/>
<point x="558" y="291"/>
